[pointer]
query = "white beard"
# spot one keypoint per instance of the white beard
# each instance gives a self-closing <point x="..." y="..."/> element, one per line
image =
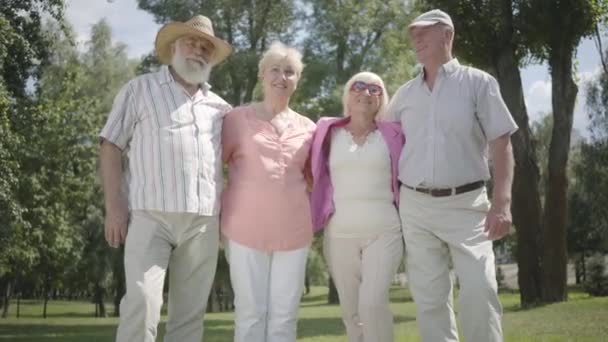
<point x="190" y="71"/>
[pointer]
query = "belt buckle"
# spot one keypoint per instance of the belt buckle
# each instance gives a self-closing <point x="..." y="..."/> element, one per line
<point x="441" y="192"/>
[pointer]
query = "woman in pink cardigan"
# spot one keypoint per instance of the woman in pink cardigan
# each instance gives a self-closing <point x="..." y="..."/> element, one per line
<point x="266" y="219"/>
<point x="355" y="198"/>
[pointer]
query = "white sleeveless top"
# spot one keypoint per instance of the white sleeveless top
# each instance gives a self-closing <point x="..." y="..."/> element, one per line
<point x="361" y="178"/>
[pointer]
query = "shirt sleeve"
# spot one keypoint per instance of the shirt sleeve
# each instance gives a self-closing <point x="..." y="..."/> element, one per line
<point x="492" y="112"/>
<point x="393" y="109"/>
<point x="229" y="134"/>
<point x="122" y="119"/>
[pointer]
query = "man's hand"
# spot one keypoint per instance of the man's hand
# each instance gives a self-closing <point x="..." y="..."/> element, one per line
<point x="117" y="211"/>
<point x="498" y="221"/>
<point x="117" y="219"/>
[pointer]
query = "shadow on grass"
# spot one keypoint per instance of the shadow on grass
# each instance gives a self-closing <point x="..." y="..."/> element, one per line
<point x="63" y="315"/>
<point x="314" y="300"/>
<point x="314" y="327"/>
<point x="63" y="333"/>
<point x="396" y="295"/>
<point x="216" y="330"/>
<point x="399" y="295"/>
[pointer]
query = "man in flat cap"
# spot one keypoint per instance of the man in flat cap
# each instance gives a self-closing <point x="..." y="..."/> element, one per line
<point x="162" y="138"/>
<point x="451" y="116"/>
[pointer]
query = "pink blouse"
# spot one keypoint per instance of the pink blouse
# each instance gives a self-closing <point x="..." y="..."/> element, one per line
<point x="265" y="205"/>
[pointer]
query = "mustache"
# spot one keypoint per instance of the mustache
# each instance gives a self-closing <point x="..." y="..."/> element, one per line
<point x="201" y="62"/>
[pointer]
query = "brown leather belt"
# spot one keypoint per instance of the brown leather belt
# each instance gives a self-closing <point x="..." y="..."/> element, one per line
<point x="439" y="192"/>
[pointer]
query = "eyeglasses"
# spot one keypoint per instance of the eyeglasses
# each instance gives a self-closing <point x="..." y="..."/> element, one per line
<point x="374" y="89"/>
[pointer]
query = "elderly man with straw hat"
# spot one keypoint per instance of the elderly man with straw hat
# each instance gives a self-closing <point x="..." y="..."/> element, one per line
<point x="162" y="141"/>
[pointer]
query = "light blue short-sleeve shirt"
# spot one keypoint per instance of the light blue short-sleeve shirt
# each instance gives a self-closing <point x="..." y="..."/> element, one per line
<point x="448" y="129"/>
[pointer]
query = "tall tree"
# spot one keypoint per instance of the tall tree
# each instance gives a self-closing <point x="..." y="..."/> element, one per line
<point x="588" y="219"/>
<point x="103" y="68"/>
<point x="11" y="246"/>
<point x="557" y="28"/>
<point x="59" y="184"/>
<point x="23" y="49"/>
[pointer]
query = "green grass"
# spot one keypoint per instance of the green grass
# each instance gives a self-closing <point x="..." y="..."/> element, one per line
<point x="581" y="319"/>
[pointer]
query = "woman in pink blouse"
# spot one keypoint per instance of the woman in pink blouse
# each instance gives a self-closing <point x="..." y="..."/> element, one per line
<point x="266" y="222"/>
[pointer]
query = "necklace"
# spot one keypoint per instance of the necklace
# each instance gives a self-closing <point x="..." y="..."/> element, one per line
<point x="358" y="132"/>
<point x="360" y="135"/>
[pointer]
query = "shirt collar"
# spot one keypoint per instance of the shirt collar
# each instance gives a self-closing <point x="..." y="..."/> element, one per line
<point x="166" y="77"/>
<point x="451" y="66"/>
<point x="448" y="68"/>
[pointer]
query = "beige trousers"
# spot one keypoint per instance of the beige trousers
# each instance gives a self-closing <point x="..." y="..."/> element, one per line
<point x="188" y="245"/>
<point x="362" y="270"/>
<point x="435" y="229"/>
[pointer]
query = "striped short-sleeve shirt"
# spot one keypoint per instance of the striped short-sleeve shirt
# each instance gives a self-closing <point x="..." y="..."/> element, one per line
<point x="171" y="142"/>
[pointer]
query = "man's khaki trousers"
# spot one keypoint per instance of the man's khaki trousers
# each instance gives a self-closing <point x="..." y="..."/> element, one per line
<point x="435" y="229"/>
<point x="188" y="245"/>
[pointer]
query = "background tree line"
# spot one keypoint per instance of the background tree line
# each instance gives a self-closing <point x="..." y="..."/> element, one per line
<point x="54" y="99"/>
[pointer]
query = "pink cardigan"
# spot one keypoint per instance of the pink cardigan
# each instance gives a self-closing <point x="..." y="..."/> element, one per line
<point x="321" y="198"/>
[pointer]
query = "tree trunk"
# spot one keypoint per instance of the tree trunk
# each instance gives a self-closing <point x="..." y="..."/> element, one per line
<point x="18" y="305"/>
<point x="526" y="205"/>
<point x="118" y="277"/>
<point x="584" y="264"/>
<point x="332" y="297"/>
<point x="213" y="304"/>
<point x="2" y="282"/>
<point x="578" y="270"/>
<point x="6" y="298"/>
<point x="46" y="294"/>
<point x="555" y="253"/>
<point x="99" y="301"/>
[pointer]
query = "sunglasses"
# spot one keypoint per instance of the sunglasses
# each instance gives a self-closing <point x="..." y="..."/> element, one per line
<point x="374" y="89"/>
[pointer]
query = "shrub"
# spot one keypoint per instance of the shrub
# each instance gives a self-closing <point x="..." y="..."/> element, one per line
<point x="597" y="279"/>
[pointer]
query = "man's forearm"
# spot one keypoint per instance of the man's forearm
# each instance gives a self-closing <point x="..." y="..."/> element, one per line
<point x="110" y="160"/>
<point x="503" y="164"/>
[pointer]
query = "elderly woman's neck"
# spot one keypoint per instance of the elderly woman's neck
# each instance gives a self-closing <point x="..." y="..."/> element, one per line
<point x="275" y="105"/>
<point x="362" y="121"/>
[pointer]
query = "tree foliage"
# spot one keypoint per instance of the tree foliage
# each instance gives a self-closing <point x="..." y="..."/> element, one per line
<point x="23" y="46"/>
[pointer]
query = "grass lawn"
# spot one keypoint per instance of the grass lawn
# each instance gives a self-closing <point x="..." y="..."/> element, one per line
<point x="580" y="319"/>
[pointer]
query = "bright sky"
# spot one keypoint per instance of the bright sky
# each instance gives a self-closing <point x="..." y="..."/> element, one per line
<point x="137" y="29"/>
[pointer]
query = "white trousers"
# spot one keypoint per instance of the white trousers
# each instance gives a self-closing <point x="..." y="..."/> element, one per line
<point x="362" y="270"/>
<point x="267" y="290"/>
<point x="434" y="229"/>
<point x="188" y="245"/>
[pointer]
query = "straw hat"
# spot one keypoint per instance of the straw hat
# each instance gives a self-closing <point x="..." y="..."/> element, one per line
<point x="199" y="26"/>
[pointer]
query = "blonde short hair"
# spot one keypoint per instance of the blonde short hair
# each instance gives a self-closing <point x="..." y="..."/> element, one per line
<point x="367" y="77"/>
<point x="278" y="51"/>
